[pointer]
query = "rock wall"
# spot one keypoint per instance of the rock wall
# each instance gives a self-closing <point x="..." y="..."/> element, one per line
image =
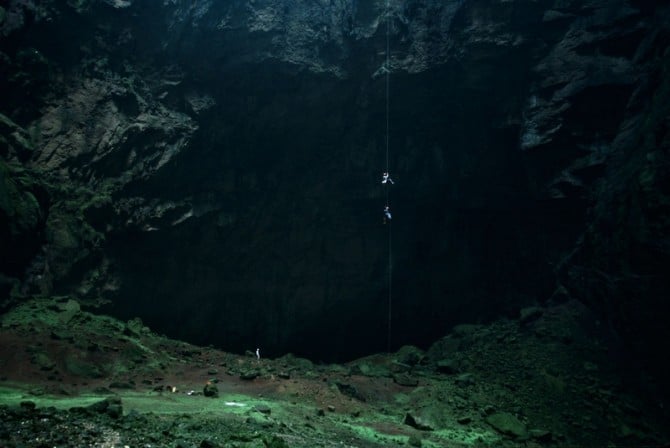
<point x="214" y="167"/>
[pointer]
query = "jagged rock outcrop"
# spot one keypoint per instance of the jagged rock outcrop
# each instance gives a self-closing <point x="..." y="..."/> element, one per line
<point x="213" y="167"/>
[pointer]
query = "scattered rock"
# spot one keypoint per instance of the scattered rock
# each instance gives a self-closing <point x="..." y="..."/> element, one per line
<point x="115" y="410"/>
<point x="69" y="310"/>
<point x="417" y="423"/>
<point x="464" y="380"/>
<point x="60" y="334"/>
<point x="349" y="391"/>
<point x="507" y="424"/>
<point x="406" y="380"/>
<point x="464" y="420"/>
<point x="111" y="406"/>
<point x="43" y="361"/>
<point x="210" y="390"/>
<point x="359" y="369"/>
<point x="448" y="366"/>
<point x="27" y="405"/>
<point x="134" y="327"/>
<point x="409" y="355"/>
<point x="541" y="435"/>
<point x="529" y="314"/>
<point x="263" y="409"/>
<point x="249" y="375"/>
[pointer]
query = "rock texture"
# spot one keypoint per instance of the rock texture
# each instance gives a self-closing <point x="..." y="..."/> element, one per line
<point x="213" y="167"/>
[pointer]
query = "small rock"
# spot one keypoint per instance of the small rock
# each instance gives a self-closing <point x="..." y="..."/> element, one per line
<point x="210" y="390"/>
<point x="43" y="361"/>
<point x="263" y="409"/>
<point x="409" y="355"/>
<point x="464" y="420"/>
<point x="507" y="424"/>
<point x="403" y="379"/>
<point x="447" y="366"/>
<point x="360" y="369"/>
<point x="284" y="375"/>
<point x="541" y="435"/>
<point x="416" y="422"/>
<point x="529" y="314"/>
<point x="61" y="335"/>
<point x="111" y="406"/>
<point x="70" y="309"/>
<point x="27" y="405"/>
<point x="115" y="410"/>
<point x="465" y="379"/>
<point x="98" y="407"/>
<point x="249" y="375"/>
<point x="349" y="391"/>
<point x="134" y="327"/>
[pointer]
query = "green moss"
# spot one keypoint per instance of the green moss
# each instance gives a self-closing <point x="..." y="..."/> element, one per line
<point x="17" y="202"/>
<point x="15" y="136"/>
<point x="6" y="189"/>
<point x="28" y="211"/>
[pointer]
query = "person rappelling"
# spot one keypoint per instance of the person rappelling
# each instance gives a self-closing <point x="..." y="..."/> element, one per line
<point x="387" y="214"/>
<point x="386" y="178"/>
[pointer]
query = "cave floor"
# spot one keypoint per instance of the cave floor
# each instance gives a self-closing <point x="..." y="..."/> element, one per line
<point x="72" y="378"/>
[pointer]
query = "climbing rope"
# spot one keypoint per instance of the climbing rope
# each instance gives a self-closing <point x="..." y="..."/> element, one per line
<point x="388" y="129"/>
<point x="388" y="78"/>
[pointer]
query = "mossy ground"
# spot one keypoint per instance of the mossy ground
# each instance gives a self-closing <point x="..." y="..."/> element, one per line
<point x="547" y="377"/>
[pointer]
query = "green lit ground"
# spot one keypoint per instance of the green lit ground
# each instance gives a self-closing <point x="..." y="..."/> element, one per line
<point x="539" y="381"/>
<point x="237" y="416"/>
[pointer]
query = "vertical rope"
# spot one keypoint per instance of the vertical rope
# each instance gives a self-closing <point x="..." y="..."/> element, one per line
<point x="388" y="78"/>
<point x="388" y="129"/>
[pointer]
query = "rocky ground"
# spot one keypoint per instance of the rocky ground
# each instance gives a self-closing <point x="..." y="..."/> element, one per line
<point x="547" y="378"/>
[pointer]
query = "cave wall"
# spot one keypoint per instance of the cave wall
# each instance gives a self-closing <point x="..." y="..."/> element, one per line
<point x="214" y="168"/>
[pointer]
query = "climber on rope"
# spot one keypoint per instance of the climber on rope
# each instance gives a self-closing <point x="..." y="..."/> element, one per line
<point x="387" y="214"/>
<point x="386" y="178"/>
